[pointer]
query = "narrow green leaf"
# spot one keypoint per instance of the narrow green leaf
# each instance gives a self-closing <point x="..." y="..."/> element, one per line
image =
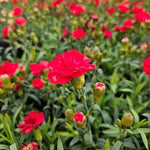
<point x="59" y="144"/>
<point x="144" y="138"/>
<point x="117" y="145"/>
<point x="136" y="117"/>
<point x="2" y="147"/>
<point x="16" y="113"/>
<point x="107" y="145"/>
<point x="74" y="140"/>
<point x="67" y="134"/>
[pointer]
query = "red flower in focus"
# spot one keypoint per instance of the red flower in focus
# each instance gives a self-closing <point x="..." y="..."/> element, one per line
<point x="17" y="11"/>
<point x="31" y="121"/>
<point x="8" y="68"/>
<point x="20" y="21"/>
<point x="110" y="10"/>
<point x="56" y="3"/>
<point x="66" y="33"/>
<point x="31" y="146"/>
<point x="14" y="1"/>
<point x="142" y="16"/>
<point x="78" y="117"/>
<point x="6" y="30"/>
<point x="36" y="69"/>
<point x="146" y="66"/>
<point x="97" y="2"/>
<point x="107" y="34"/>
<point x="38" y="83"/>
<point x="78" y="34"/>
<point x="67" y="66"/>
<point x="76" y="9"/>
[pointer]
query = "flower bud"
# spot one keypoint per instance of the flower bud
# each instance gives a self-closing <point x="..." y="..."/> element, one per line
<point x="5" y="80"/>
<point x="69" y="114"/>
<point x="23" y="71"/>
<point x="119" y="124"/>
<point x="80" y="119"/>
<point x="31" y="146"/>
<point x="125" y="43"/>
<point x="127" y="119"/>
<point x="78" y="82"/>
<point x="98" y="90"/>
<point x="95" y="53"/>
<point x="87" y="52"/>
<point x="37" y="134"/>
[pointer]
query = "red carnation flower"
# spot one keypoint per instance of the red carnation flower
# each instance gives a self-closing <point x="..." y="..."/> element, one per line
<point x="78" y="33"/>
<point x="20" y="21"/>
<point x="36" y="69"/>
<point x="14" y="1"/>
<point x="1" y="84"/>
<point x="117" y="27"/>
<point x="8" y="68"/>
<point x="6" y="30"/>
<point x="78" y="117"/>
<point x="110" y="10"/>
<point x="142" y="16"/>
<point x="128" y="23"/>
<point x="97" y="2"/>
<point x="67" y="66"/>
<point x="17" y="11"/>
<point x="56" y="3"/>
<point x="44" y="65"/>
<point x="38" y="83"/>
<point x="31" y="121"/>
<point x="107" y="34"/>
<point x="146" y="66"/>
<point x="123" y="7"/>
<point x="66" y="33"/>
<point x="31" y="146"/>
<point x="76" y="9"/>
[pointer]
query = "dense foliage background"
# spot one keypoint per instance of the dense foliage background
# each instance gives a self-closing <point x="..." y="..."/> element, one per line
<point x="116" y="38"/>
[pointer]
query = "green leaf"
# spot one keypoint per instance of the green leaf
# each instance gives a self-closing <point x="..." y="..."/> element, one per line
<point x="88" y="139"/>
<point x="96" y="107"/>
<point x="59" y="144"/>
<point x="141" y="123"/>
<point x="75" y="140"/>
<point x="67" y="134"/>
<point x="145" y="130"/>
<point x="117" y="145"/>
<point x="144" y="138"/>
<point x="16" y="113"/>
<point x="136" y="117"/>
<point x="2" y="146"/>
<point x="107" y="145"/>
<point x="13" y="147"/>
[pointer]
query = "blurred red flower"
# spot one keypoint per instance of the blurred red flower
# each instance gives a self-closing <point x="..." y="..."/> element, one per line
<point x="67" y="66"/>
<point x="56" y="3"/>
<point x="31" y="146"/>
<point x="146" y="66"/>
<point x="66" y="33"/>
<point x="78" y="33"/>
<point x="110" y="10"/>
<point x="36" y="69"/>
<point x="76" y="9"/>
<point x="142" y="16"/>
<point x="107" y="34"/>
<point x="14" y="1"/>
<point x="17" y="11"/>
<point x="6" y="30"/>
<point x="38" y="83"/>
<point x="79" y="117"/>
<point x="31" y="121"/>
<point x="8" y="68"/>
<point x="20" y="21"/>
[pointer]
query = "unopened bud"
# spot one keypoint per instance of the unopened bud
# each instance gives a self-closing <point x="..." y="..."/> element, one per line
<point x="98" y="90"/>
<point x="5" y="80"/>
<point x="69" y="114"/>
<point x="95" y="53"/>
<point x="78" y="82"/>
<point x="119" y="124"/>
<point x="127" y="119"/>
<point x="87" y="52"/>
<point x="60" y="99"/>
<point x="37" y="134"/>
<point x="80" y="119"/>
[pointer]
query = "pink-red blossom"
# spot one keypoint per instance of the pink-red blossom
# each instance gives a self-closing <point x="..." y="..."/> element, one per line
<point x="38" y="83"/>
<point x="78" y="33"/>
<point x="6" y="30"/>
<point x="67" y="66"/>
<point x="31" y="121"/>
<point x="20" y="21"/>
